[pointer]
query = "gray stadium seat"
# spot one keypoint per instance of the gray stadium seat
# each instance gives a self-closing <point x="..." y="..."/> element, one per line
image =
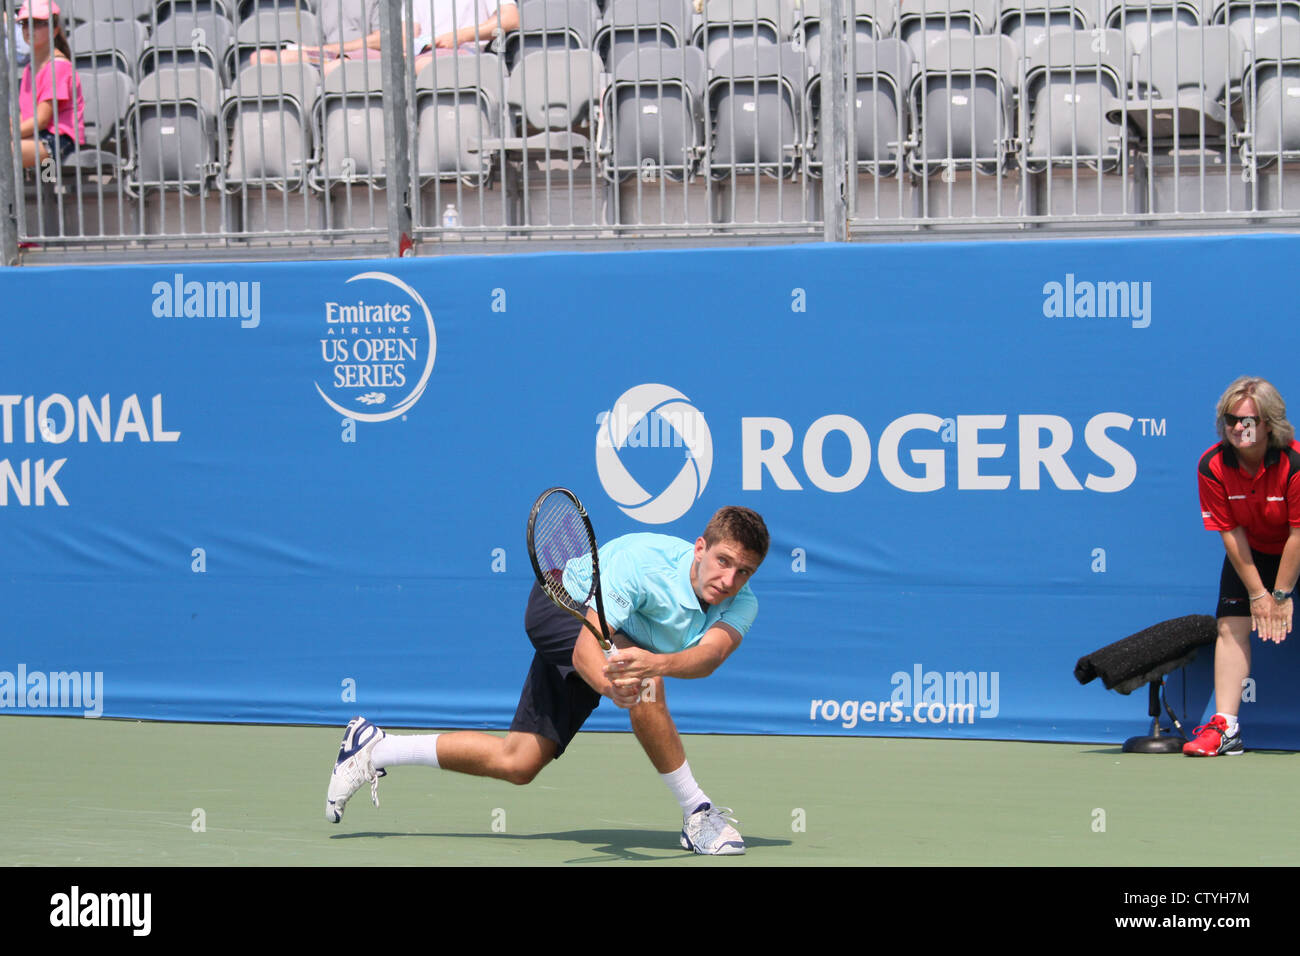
<point x="872" y="20"/>
<point x="106" y="74"/>
<point x="551" y="95"/>
<point x="1142" y="19"/>
<point x="350" y="125"/>
<point x="883" y="71"/>
<point x="457" y="107"/>
<point x="225" y="9"/>
<point x="550" y="25"/>
<point x="88" y="11"/>
<point x="1249" y="18"/>
<point x="1184" y="83"/>
<point x="114" y="44"/>
<point x="630" y="24"/>
<point x="551" y="99"/>
<point x="108" y="96"/>
<point x="1271" y="90"/>
<point x="729" y="23"/>
<point x="246" y="8"/>
<point x="268" y="115"/>
<point x="185" y="38"/>
<point x="961" y="104"/>
<point x="921" y="22"/>
<point x="755" y="101"/>
<point x="1027" y="20"/>
<point x="654" y="114"/>
<point x="1073" y="81"/>
<point x="174" y="117"/>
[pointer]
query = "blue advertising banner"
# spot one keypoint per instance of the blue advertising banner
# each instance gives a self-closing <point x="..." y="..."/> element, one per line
<point x="294" y="492"/>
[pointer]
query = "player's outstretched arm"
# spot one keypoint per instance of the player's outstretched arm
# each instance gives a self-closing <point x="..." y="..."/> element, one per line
<point x="589" y="662"/>
<point x="701" y="660"/>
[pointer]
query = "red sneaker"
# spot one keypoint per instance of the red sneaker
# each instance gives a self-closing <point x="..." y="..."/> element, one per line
<point x="1212" y="740"/>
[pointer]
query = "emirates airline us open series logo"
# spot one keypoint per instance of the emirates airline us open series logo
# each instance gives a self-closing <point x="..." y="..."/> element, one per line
<point x="654" y="416"/>
<point x="379" y="348"/>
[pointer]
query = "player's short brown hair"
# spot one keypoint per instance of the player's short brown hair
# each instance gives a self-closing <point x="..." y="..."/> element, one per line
<point x="1272" y="409"/>
<point x="741" y="525"/>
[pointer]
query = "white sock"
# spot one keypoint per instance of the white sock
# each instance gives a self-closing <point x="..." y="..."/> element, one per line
<point x="1232" y="723"/>
<point x="682" y="783"/>
<point x="409" y="750"/>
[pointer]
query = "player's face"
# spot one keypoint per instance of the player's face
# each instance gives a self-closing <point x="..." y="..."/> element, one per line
<point x="1246" y="431"/>
<point x="721" y="570"/>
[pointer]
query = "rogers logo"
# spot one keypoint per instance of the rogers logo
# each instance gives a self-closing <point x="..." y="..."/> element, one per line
<point x="654" y="416"/>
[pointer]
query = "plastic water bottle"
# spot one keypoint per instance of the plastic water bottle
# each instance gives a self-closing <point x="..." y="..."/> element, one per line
<point x="450" y="217"/>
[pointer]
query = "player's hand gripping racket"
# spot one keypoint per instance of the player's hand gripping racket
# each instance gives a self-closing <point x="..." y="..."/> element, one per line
<point x="559" y="532"/>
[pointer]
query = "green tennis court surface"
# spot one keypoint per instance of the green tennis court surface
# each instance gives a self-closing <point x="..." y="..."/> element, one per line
<point x="122" y="793"/>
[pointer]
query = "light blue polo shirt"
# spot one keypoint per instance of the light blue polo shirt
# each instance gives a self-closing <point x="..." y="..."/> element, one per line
<point x="646" y="582"/>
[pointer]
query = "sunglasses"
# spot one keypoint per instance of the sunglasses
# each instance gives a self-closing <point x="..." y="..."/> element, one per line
<point x="1247" y="421"/>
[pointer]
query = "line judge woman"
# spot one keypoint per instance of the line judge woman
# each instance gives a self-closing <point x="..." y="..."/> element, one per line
<point x="1250" y="494"/>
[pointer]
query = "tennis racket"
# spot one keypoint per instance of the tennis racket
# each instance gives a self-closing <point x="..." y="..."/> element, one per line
<point x="560" y="532"/>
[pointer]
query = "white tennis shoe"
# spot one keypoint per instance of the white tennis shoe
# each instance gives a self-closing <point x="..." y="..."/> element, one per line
<point x="709" y="831"/>
<point x="354" y="767"/>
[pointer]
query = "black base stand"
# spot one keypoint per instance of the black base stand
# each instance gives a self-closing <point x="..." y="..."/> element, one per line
<point x="1168" y="742"/>
<point x="1155" y="744"/>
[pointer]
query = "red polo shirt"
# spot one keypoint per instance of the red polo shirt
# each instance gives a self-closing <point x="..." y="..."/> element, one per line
<point x="1266" y="505"/>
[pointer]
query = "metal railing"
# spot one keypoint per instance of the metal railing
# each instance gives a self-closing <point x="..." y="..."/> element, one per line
<point x="226" y="128"/>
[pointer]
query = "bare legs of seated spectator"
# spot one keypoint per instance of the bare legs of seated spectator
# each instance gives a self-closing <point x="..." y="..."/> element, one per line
<point x="327" y="57"/>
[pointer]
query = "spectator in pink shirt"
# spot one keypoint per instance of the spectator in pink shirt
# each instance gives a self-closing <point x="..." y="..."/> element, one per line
<point x="50" y="103"/>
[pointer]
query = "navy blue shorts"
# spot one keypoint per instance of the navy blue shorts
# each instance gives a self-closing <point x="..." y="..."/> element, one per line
<point x="58" y="145"/>
<point x="1233" y="599"/>
<point x="555" y="701"/>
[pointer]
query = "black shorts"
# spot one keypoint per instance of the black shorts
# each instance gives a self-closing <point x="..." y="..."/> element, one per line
<point x="58" y="145"/>
<point x="555" y="701"/>
<point x="1234" y="601"/>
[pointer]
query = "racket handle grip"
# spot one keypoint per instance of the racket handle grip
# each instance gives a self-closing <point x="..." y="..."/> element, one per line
<point x="609" y="651"/>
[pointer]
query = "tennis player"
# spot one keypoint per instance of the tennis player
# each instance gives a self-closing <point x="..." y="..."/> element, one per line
<point x="1250" y="494"/>
<point x="677" y="609"/>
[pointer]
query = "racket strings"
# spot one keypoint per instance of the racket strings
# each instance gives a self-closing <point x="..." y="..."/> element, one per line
<point x="560" y="537"/>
